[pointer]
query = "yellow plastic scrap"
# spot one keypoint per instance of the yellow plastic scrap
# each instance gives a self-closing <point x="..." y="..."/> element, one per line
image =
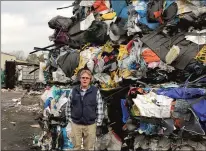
<point x="85" y="46"/>
<point x="124" y="73"/>
<point x="107" y="47"/>
<point x="122" y="52"/>
<point x="113" y="73"/>
<point x="44" y="68"/>
<point x="135" y="110"/>
<point x="109" y="16"/>
<point x="91" y="49"/>
<point x="201" y="56"/>
<point x="80" y="66"/>
<point x="111" y="83"/>
<point x="103" y="85"/>
<point x="99" y="56"/>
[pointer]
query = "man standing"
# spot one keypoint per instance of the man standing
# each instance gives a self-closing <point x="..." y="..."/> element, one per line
<point x="85" y="112"/>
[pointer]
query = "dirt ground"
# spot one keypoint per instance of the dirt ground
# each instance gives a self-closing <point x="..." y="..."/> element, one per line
<point x="16" y="132"/>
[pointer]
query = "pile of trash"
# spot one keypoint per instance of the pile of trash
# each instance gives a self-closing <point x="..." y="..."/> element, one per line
<point x="55" y="130"/>
<point x="147" y="58"/>
<point x="155" y="41"/>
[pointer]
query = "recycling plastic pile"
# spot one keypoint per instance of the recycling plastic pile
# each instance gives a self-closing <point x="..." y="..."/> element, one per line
<point x="54" y="129"/>
<point x="148" y="59"/>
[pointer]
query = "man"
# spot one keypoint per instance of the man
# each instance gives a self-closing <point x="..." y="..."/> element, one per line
<point x="85" y="112"/>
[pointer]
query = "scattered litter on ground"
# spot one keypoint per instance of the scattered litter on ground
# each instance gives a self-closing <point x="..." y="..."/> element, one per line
<point x="4" y="90"/>
<point x="18" y="103"/>
<point x="35" y="126"/>
<point x="14" y="123"/>
<point x="34" y="93"/>
<point x="16" y="100"/>
<point x="31" y="108"/>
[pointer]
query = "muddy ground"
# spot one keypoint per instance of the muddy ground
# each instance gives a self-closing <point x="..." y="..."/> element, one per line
<point x="16" y="132"/>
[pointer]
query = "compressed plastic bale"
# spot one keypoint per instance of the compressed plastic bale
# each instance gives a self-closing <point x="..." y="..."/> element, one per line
<point x="160" y="44"/>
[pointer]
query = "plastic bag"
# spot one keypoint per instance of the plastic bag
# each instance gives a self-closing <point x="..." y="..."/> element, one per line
<point x="69" y="129"/>
<point x="59" y="76"/>
<point x="108" y="141"/>
<point x="102" y="77"/>
<point x="97" y="33"/>
<point x="42" y="65"/>
<point x="46" y="95"/>
<point x="60" y="22"/>
<point x="61" y="102"/>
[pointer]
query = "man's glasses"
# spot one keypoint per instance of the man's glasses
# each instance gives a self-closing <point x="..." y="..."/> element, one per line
<point x="87" y="78"/>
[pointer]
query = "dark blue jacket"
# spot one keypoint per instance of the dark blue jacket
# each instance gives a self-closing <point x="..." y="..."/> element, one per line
<point x="83" y="110"/>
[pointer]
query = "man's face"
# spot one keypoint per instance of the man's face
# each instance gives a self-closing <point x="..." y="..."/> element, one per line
<point x="85" y="80"/>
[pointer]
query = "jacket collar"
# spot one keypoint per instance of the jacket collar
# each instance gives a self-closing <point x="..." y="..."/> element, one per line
<point x="88" y="90"/>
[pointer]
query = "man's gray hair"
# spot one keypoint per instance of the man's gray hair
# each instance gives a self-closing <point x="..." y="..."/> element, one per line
<point x="86" y="71"/>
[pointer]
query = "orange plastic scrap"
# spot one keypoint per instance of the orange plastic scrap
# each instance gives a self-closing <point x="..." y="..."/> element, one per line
<point x="140" y="90"/>
<point x="149" y="56"/>
<point x="158" y="14"/>
<point x="99" y="5"/>
<point x="134" y="90"/>
<point x="178" y="123"/>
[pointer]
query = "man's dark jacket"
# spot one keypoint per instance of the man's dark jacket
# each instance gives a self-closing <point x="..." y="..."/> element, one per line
<point x="83" y="109"/>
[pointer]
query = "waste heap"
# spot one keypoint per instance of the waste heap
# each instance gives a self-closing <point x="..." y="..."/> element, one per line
<point x="148" y="59"/>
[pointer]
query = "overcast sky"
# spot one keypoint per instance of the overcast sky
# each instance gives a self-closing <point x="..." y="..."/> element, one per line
<point x="24" y="24"/>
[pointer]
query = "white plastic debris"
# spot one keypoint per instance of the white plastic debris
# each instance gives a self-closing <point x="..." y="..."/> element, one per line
<point x="16" y="100"/>
<point x="200" y="40"/>
<point x="14" y="123"/>
<point x="35" y="126"/>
